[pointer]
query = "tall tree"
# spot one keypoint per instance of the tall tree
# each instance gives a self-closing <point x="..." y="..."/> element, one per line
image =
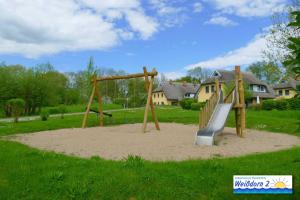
<point x="264" y="71"/>
<point x="293" y="59"/>
<point x="199" y="73"/>
<point x="278" y="35"/>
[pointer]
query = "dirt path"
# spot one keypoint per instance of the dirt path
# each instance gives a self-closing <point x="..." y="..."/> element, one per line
<point x="173" y="142"/>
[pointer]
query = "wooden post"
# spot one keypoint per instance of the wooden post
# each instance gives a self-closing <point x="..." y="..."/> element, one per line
<point x="242" y="102"/>
<point x="89" y="106"/>
<point x="100" y="104"/>
<point x="154" y="116"/>
<point x="217" y="83"/>
<point x="148" y="103"/>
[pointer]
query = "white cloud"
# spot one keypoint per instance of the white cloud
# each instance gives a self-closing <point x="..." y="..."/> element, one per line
<point x="248" y="8"/>
<point x="220" y="20"/>
<point x="174" y="75"/>
<point x="246" y="55"/>
<point x="141" y="23"/>
<point x="37" y="27"/>
<point x="198" y="7"/>
<point x="170" y="12"/>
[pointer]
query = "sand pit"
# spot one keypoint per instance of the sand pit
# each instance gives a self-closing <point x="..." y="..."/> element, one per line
<point x="173" y="142"/>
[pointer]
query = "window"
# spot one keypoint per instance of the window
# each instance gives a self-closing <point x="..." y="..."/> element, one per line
<point x="207" y="89"/>
<point x="162" y="94"/>
<point x="212" y="88"/>
<point x="154" y="95"/>
<point x="162" y="103"/>
<point x="154" y="103"/>
<point x="280" y="92"/>
<point x="158" y="95"/>
<point x="262" y="88"/>
<point x="287" y="92"/>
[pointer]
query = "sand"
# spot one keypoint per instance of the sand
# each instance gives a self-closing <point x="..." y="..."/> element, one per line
<point x="173" y="142"/>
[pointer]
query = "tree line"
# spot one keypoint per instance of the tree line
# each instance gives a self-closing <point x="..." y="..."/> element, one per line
<point x="42" y="86"/>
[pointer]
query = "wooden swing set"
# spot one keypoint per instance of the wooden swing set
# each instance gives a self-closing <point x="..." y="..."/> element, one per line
<point x="148" y="86"/>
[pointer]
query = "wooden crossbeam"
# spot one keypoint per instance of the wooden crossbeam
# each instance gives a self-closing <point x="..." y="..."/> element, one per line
<point x="138" y="75"/>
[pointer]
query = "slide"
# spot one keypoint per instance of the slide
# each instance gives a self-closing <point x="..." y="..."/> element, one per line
<point x="216" y="123"/>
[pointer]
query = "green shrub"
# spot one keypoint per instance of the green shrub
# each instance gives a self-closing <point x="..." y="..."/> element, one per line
<point x="281" y="104"/>
<point x="62" y="110"/>
<point x="197" y="106"/>
<point x="186" y="103"/>
<point x="53" y="110"/>
<point x="44" y="114"/>
<point x="16" y="106"/>
<point x="268" y="104"/>
<point x="294" y="103"/>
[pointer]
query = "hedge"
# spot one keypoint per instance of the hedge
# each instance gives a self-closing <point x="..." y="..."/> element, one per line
<point x="197" y="106"/>
<point x="282" y="104"/>
<point x="187" y="103"/>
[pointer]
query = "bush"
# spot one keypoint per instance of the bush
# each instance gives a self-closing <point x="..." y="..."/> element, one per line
<point x="44" y="114"/>
<point x="62" y="110"/>
<point x="281" y="104"/>
<point x="186" y="103"/>
<point x="16" y="106"/>
<point x="53" y="110"/>
<point x="197" y="106"/>
<point x="294" y="103"/>
<point x="268" y="104"/>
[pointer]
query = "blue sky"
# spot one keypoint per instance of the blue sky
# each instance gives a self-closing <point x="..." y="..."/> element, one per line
<point x="172" y="36"/>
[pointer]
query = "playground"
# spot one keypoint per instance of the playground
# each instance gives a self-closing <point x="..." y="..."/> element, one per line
<point x="167" y="141"/>
<point x="173" y="142"/>
<point x="96" y="154"/>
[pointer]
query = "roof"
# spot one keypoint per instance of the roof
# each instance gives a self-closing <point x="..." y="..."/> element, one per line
<point x="291" y="83"/>
<point x="249" y="78"/>
<point x="176" y="90"/>
<point x="225" y="76"/>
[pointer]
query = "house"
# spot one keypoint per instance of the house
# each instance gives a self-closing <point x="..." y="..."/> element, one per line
<point x="259" y="89"/>
<point x="286" y="89"/>
<point x="170" y="93"/>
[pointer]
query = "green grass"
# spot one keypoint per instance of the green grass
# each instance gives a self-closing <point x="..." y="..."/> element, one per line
<point x="73" y="108"/>
<point x="27" y="173"/>
<point x="275" y="121"/>
<point x="82" y="108"/>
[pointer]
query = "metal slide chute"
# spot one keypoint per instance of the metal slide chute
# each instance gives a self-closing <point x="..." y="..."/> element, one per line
<point x="217" y="120"/>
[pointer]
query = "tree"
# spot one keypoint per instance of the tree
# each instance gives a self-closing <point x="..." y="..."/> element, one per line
<point x="293" y="59"/>
<point x="266" y="71"/>
<point x="17" y="107"/>
<point x="199" y="73"/>
<point x="277" y="37"/>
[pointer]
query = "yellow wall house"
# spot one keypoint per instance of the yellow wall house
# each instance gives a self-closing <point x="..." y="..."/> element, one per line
<point x="286" y="89"/>
<point x="260" y="90"/>
<point x="170" y="93"/>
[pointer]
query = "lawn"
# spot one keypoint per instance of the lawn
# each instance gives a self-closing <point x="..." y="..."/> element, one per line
<point x="27" y="173"/>
<point x="275" y="121"/>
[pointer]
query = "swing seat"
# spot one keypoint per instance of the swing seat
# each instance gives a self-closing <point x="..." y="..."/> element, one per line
<point x="104" y="113"/>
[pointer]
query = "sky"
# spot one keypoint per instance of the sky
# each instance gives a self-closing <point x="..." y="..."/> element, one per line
<point x="170" y="35"/>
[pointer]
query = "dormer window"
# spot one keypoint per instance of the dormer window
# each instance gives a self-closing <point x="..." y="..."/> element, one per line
<point x="258" y="88"/>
